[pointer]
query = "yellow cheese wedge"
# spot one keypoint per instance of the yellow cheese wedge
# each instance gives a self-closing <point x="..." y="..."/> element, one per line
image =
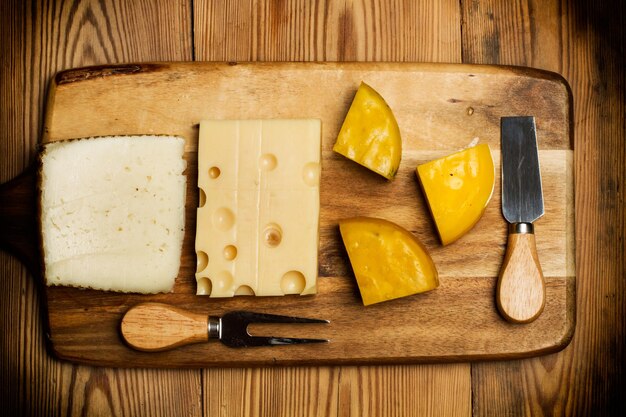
<point x="458" y="187"/>
<point x="370" y="135"/>
<point x="388" y="261"/>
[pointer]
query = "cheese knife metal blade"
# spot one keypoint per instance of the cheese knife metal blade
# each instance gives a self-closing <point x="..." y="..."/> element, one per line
<point x="520" y="293"/>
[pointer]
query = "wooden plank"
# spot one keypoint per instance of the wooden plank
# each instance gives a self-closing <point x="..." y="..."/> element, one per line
<point x="429" y="327"/>
<point x="414" y="390"/>
<point x="280" y="392"/>
<point x="300" y="30"/>
<point x="14" y="157"/>
<point x="421" y="390"/>
<point x="582" y="41"/>
<point x="24" y="362"/>
<point x="38" y="39"/>
<point x="108" y="391"/>
<point x="429" y="31"/>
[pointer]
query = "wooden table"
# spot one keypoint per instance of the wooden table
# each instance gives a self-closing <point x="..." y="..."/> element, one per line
<point x="582" y="40"/>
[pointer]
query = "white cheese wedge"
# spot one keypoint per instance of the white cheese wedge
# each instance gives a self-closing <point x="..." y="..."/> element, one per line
<point x="258" y="220"/>
<point x="112" y="212"/>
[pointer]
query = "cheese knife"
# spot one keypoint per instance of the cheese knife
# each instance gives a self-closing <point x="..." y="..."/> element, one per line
<point x="520" y="293"/>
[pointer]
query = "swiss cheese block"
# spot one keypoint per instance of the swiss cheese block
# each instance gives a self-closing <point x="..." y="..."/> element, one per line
<point x="112" y="212"/>
<point x="257" y="224"/>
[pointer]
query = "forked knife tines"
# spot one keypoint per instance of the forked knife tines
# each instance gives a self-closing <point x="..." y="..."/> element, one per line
<point x="155" y="327"/>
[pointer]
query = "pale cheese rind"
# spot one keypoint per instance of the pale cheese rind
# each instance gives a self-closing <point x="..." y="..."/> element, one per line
<point x="112" y="212"/>
<point x="260" y="179"/>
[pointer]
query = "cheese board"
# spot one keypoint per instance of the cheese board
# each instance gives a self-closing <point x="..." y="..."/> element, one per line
<point x="440" y="108"/>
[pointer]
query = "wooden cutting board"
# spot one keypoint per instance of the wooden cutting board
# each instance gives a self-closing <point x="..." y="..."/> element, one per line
<point x="440" y="108"/>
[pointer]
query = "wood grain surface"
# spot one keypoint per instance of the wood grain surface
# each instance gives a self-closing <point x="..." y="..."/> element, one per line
<point x="430" y="102"/>
<point x="582" y="40"/>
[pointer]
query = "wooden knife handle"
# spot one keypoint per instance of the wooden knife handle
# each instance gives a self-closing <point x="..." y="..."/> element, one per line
<point x="153" y="327"/>
<point x="521" y="291"/>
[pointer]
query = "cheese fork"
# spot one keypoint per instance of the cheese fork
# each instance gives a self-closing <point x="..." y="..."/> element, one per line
<point x="152" y="327"/>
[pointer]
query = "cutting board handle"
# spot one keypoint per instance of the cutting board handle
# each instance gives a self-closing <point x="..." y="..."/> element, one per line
<point x="19" y="229"/>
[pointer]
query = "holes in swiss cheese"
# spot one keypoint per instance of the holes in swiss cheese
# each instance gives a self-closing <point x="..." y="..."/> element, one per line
<point x="223" y="218"/>
<point x="267" y="162"/>
<point x="230" y="252"/>
<point x="202" y="260"/>
<point x="201" y="197"/>
<point x="204" y="286"/>
<point x="214" y="172"/>
<point x="244" y="290"/>
<point x="272" y="235"/>
<point x="292" y="282"/>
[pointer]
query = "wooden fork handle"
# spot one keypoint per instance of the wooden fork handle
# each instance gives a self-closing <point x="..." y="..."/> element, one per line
<point x="155" y="327"/>
<point x="521" y="289"/>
